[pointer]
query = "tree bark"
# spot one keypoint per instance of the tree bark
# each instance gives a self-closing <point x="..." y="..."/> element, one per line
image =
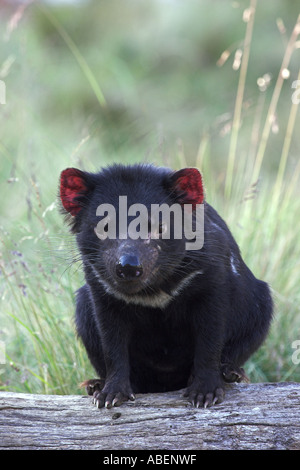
<point x="252" y="416"/>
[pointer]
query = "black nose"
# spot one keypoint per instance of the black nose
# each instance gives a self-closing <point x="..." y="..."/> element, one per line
<point x="129" y="267"/>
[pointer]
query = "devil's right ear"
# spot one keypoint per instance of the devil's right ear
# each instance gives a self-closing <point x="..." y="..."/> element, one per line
<point x="74" y="187"/>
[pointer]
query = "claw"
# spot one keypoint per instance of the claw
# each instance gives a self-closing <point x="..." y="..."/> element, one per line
<point x="204" y="400"/>
<point x="215" y="400"/>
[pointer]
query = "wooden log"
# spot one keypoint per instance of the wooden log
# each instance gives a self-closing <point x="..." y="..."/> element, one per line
<point x="252" y="416"/>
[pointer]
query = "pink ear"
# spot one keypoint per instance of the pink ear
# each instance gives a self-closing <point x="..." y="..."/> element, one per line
<point x="189" y="182"/>
<point x="72" y="185"/>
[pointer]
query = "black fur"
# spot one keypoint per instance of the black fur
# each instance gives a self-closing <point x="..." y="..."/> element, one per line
<point x="190" y="321"/>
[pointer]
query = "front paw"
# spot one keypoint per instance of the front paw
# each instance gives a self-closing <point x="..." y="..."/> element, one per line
<point x="93" y="385"/>
<point x="205" y="392"/>
<point x="233" y="373"/>
<point x="113" y="394"/>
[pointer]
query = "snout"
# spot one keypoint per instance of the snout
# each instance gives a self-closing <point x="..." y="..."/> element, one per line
<point x="129" y="267"/>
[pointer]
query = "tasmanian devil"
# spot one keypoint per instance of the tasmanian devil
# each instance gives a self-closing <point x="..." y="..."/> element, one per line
<point x="157" y="314"/>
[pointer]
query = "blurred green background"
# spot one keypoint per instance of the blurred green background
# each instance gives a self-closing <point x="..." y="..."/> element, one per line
<point x="89" y="83"/>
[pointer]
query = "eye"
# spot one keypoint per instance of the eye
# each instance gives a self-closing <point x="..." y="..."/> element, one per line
<point x="103" y="228"/>
<point x="157" y="231"/>
<point x="162" y="228"/>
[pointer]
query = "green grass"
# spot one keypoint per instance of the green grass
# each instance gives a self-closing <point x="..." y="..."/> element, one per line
<point x="126" y="101"/>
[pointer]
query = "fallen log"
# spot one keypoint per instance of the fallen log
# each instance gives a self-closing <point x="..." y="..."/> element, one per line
<point x="252" y="416"/>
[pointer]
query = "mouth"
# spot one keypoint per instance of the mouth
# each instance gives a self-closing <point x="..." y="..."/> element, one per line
<point x="129" y="287"/>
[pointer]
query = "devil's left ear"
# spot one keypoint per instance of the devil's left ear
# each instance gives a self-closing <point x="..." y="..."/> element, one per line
<point x="188" y="186"/>
<point x="74" y="186"/>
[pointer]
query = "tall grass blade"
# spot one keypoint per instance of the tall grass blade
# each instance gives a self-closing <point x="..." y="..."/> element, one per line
<point x="239" y="99"/>
<point x="274" y="101"/>
<point x="77" y="54"/>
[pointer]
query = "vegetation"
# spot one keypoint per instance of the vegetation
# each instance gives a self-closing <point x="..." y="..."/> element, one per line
<point x="174" y="83"/>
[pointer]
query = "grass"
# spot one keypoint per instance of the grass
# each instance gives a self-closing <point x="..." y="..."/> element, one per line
<point x="255" y="187"/>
